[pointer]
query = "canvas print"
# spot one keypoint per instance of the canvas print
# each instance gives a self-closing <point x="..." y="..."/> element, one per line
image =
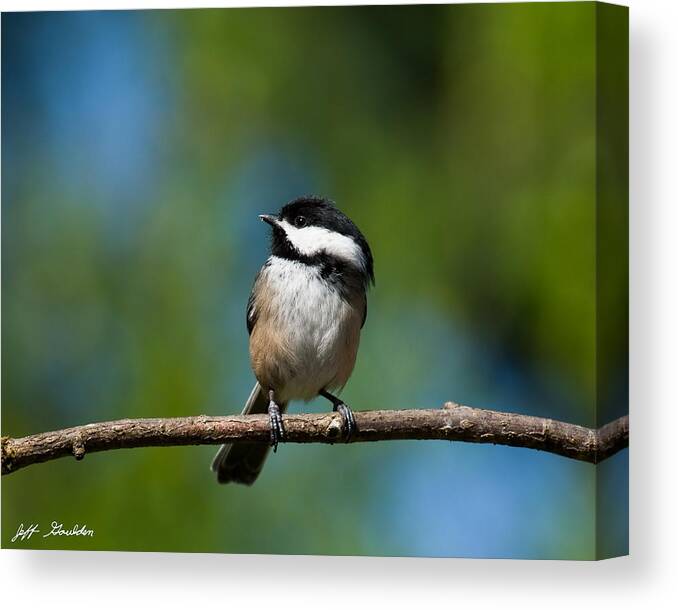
<point x="323" y="280"/>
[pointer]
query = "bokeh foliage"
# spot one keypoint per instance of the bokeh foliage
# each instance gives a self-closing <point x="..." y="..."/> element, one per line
<point x="138" y="149"/>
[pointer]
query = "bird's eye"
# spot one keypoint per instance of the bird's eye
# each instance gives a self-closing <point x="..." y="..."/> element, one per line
<point x="300" y="221"/>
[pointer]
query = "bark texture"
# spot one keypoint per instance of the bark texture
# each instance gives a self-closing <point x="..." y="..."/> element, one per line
<point x="452" y="423"/>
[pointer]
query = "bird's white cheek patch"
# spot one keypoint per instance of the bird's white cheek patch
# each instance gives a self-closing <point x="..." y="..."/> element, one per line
<point x="313" y="240"/>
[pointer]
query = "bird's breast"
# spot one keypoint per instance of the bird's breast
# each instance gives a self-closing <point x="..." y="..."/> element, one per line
<point x="307" y="331"/>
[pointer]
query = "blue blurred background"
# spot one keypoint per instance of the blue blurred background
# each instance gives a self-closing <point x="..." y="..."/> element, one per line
<point x="138" y="149"/>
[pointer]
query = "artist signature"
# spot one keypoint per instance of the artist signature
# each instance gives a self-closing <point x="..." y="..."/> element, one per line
<point x="57" y="529"/>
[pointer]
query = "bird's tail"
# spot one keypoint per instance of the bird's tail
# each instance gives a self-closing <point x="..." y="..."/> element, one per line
<point x="242" y="462"/>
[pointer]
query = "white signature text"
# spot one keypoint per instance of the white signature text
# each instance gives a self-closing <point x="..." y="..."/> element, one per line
<point x="56" y="529"/>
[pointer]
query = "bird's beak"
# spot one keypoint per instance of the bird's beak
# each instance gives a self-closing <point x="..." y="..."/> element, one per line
<point x="268" y="218"/>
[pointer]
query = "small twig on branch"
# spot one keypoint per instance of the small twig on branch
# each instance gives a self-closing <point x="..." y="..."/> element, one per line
<point x="452" y="423"/>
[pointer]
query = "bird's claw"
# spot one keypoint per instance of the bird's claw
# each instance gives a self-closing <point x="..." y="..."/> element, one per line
<point x="277" y="431"/>
<point x="348" y="417"/>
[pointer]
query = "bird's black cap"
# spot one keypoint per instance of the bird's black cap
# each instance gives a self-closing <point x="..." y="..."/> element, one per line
<point x="322" y="212"/>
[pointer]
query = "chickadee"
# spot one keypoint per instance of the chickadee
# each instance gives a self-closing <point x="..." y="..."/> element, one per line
<point x="304" y="316"/>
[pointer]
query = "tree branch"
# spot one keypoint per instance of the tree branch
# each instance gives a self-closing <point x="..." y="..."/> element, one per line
<point x="453" y="423"/>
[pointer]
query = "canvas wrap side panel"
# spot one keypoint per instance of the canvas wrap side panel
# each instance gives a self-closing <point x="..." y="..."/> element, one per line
<point x="612" y="268"/>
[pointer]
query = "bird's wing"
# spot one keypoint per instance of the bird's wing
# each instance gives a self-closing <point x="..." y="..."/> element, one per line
<point x="251" y="313"/>
<point x="252" y="309"/>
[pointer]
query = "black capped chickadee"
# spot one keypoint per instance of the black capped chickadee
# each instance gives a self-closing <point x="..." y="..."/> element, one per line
<point x="304" y="316"/>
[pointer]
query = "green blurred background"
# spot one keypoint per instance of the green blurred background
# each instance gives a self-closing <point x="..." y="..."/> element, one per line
<point x="138" y="149"/>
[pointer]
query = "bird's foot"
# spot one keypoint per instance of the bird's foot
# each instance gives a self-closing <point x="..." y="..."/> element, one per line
<point x="277" y="431"/>
<point x="349" y="420"/>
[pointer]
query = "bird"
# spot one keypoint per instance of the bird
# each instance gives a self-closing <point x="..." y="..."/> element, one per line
<point x="304" y="316"/>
